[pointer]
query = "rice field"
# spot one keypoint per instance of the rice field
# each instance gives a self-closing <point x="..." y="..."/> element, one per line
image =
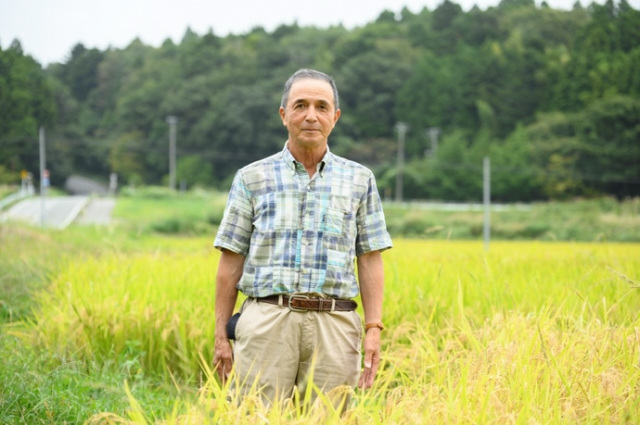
<point x="526" y="333"/>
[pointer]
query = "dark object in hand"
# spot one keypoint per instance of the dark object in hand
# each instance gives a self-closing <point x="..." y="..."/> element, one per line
<point x="231" y="326"/>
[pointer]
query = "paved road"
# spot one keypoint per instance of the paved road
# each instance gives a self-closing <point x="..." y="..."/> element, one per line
<point x="61" y="211"/>
<point x="97" y="212"/>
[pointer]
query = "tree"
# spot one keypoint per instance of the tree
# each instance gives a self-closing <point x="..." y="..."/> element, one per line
<point x="193" y="170"/>
<point x="26" y="103"/>
<point x="126" y="157"/>
<point x="493" y="82"/>
<point x="80" y="73"/>
<point x="370" y="83"/>
<point x="609" y="131"/>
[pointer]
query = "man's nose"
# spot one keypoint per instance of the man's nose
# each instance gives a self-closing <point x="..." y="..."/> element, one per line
<point x="311" y="114"/>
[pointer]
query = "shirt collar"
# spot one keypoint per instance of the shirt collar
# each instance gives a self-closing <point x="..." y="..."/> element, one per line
<point x="291" y="162"/>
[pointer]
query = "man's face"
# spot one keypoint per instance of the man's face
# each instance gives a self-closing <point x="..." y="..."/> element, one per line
<point x="310" y="113"/>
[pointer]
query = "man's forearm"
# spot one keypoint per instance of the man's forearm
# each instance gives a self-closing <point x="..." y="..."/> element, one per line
<point x="229" y="272"/>
<point x="371" y="277"/>
<point x="224" y="305"/>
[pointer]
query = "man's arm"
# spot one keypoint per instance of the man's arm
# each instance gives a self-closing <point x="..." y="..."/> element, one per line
<point x="371" y="278"/>
<point x="229" y="273"/>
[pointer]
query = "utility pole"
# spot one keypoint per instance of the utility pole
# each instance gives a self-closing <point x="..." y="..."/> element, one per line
<point x="173" y="121"/>
<point x="486" y="197"/>
<point x="402" y="131"/>
<point x="44" y="179"/>
<point x="433" y="133"/>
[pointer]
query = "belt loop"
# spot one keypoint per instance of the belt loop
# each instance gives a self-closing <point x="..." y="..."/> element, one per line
<point x="280" y="300"/>
<point x="333" y="305"/>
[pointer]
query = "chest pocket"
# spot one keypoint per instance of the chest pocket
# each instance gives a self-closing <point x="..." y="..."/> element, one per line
<point x="335" y="221"/>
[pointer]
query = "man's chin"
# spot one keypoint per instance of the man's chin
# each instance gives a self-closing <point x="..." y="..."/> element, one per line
<point x="311" y="141"/>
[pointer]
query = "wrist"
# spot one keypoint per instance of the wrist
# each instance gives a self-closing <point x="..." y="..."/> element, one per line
<point x="373" y="325"/>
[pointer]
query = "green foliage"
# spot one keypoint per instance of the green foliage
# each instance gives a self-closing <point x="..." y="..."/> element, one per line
<point x="602" y="219"/>
<point x="160" y="210"/>
<point x="37" y="387"/>
<point x="484" y="78"/>
<point x="193" y="170"/>
<point x="609" y="130"/>
<point x="26" y="103"/>
<point x="80" y="73"/>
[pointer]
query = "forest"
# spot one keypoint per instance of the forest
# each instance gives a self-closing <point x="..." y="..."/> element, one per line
<point x="552" y="97"/>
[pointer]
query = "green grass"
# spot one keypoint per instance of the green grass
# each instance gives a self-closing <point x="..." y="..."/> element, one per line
<point x="40" y="387"/>
<point x="6" y="190"/>
<point x="159" y="210"/>
<point x="580" y="220"/>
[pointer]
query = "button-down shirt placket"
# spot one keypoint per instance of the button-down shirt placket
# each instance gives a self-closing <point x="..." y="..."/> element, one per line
<point x="306" y="234"/>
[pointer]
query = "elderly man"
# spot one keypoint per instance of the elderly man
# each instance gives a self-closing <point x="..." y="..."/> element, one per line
<point x="294" y="224"/>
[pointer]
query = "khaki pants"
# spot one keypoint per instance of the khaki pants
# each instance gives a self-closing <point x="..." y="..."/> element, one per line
<point x="278" y="350"/>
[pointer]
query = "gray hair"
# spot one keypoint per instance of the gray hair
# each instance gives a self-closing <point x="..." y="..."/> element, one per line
<point x="304" y="73"/>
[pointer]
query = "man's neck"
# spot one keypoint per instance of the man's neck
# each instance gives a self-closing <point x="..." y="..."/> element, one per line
<point x="310" y="158"/>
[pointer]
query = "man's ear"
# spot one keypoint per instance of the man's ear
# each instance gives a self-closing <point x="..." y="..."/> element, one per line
<point x="337" y="116"/>
<point x="282" y="116"/>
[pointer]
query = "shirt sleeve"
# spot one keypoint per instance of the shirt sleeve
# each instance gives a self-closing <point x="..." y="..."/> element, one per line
<point x="372" y="228"/>
<point x="236" y="227"/>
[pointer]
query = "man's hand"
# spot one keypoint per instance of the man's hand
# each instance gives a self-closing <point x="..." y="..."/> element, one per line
<point x="229" y="273"/>
<point x="223" y="358"/>
<point x="371" y="278"/>
<point x="371" y="358"/>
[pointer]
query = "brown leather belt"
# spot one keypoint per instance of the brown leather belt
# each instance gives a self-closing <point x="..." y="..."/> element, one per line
<point x="305" y="303"/>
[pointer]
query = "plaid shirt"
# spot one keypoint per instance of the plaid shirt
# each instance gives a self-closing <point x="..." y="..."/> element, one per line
<point x="301" y="234"/>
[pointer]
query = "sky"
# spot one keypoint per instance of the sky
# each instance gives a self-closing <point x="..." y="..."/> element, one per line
<point x="48" y="29"/>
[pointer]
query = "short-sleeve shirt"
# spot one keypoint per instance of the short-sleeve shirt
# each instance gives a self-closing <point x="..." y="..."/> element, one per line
<point x="301" y="234"/>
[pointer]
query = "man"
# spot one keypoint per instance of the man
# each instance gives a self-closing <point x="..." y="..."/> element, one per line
<point x="293" y="226"/>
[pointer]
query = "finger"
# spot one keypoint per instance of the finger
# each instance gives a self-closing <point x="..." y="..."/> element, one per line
<point x="221" y="369"/>
<point x="371" y="363"/>
<point x="371" y="376"/>
<point x="362" y="379"/>
<point x="227" y="369"/>
<point x="366" y="379"/>
<point x="365" y="376"/>
<point x="223" y="374"/>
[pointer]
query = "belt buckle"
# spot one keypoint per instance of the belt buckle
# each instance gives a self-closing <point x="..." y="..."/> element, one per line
<point x="298" y="296"/>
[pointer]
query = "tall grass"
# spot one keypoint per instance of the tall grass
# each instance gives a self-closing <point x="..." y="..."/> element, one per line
<point x="526" y="333"/>
<point x="155" y="308"/>
<point x="58" y="386"/>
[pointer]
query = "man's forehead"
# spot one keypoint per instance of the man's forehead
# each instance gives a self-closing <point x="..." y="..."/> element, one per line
<point x="311" y="88"/>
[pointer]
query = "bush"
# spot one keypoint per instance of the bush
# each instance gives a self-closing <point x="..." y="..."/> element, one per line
<point x="180" y="225"/>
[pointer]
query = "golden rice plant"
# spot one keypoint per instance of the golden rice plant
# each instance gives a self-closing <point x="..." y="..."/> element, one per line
<point x="154" y="308"/>
<point x="527" y="333"/>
